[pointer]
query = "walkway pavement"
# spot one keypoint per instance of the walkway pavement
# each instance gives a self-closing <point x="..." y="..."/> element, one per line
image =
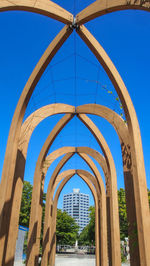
<point x="80" y="260"/>
<point x="72" y="261"/>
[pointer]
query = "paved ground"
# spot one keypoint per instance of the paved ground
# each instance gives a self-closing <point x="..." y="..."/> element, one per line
<point x="18" y="263"/>
<point x="72" y="261"/>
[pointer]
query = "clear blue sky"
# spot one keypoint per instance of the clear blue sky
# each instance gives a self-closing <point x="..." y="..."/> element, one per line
<point x="74" y="77"/>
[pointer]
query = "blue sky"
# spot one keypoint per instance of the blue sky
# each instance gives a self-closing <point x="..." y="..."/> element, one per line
<point x="74" y="77"/>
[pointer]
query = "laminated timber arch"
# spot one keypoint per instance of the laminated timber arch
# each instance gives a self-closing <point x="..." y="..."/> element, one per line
<point x="122" y="131"/>
<point x="11" y="227"/>
<point x="27" y="129"/>
<point x="103" y="7"/>
<point x="44" y="7"/>
<point x="98" y="183"/>
<point x="33" y="248"/>
<point x="52" y="10"/>
<point x="82" y="151"/>
<point x="112" y="200"/>
<point x="12" y="143"/>
<point x="139" y="179"/>
<point x="7" y="180"/>
<point x="100" y="189"/>
<point x="66" y="176"/>
<point x="38" y="116"/>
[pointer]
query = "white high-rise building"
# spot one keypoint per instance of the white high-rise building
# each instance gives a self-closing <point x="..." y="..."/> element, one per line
<point x="76" y="204"/>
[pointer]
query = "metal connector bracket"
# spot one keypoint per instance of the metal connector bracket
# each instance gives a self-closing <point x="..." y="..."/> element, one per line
<point x="74" y="25"/>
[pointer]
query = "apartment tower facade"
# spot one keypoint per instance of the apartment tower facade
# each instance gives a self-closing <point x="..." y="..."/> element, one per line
<point x="76" y="204"/>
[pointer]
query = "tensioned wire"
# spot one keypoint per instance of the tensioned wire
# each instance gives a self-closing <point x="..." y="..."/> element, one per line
<point x="39" y="95"/>
<point x="50" y="86"/>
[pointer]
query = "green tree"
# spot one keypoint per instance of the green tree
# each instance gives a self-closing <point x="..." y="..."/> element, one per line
<point x="122" y="214"/>
<point x="91" y="225"/>
<point x="87" y="236"/>
<point x="83" y="237"/>
<point x="66" y="229"/>
<point x="88" y="233"/>
<point x="148" y="196"/>
<point x="25" y="210"/>
<point x="25" y="204"/>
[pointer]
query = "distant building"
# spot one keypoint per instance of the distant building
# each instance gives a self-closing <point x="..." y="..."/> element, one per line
<point x="19" y="244"/>
<point x="76" y="204"/>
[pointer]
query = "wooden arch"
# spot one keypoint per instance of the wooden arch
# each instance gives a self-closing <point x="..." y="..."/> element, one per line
<point x="12" y="143"/>
<point x="44" y="7"/>
<point x="66" y="176"/>
<point x="122" y="131"/>
<point x="139" y="178"/>
<point x="100" y="159"/>
<point x="98" y="183"/>
<point x="31" y="128"/>
<point x="11" y="228"/>
<point x="26" y="130"/>
<point x="103" y="7"/>
<point x="100" y="190"/>
<point x="112" y="200"/>
<point x="52" y="10"/>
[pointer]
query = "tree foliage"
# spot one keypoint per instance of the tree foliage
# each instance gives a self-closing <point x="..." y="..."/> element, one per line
<point x="91" y="225"/>
<point x="87" y="236"/>
<point x="25" y="208"/>
<point x="83" y="237"/>
<point x="25" y="204"/>
<point x="122" y="214"/>
<point x="66" y="229"/>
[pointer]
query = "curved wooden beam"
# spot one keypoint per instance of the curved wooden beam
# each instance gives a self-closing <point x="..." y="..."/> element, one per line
<point x="102" y="111"/>
<point x="140" y="184"/>
<point x="44" y="7"/>
<point x="49" y="195"/>
<point x="112" y="117"/>
<point x="102" y="206"/>
<point x="99" y="158"/>
<point x="112" y="203"/>
<point x="11" y="228"/>
<point x="26" y="130"/>
<point x="36" y="208"/>
<point x="91" y="152"/>
<point x="114" y="216"/>
<point x="54" y="214"/>
<point x="123" y="133"/>
<point x="82" y="151"/>
<point x="8" y="183"/>
<point x="103" y="7"/>
<point x="139" y="177"/>
<point x="91" y="164"/>
<point x="12" y="144"/>
<point x="36" y="118"/>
